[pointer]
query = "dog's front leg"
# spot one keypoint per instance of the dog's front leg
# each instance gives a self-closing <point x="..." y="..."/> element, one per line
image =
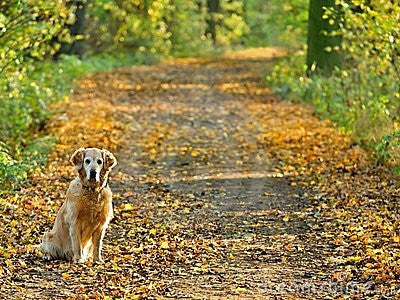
<point x="75" y="236"/>
<point x="98" y="236"/>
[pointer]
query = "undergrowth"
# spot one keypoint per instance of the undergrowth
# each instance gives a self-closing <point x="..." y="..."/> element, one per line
<point x="361" y="103"/>
<point x="362" y="95"/>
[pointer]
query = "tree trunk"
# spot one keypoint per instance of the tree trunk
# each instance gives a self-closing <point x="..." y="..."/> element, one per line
<point x="213" y="7"/>
<point x="321" y="55"/>
<point x="78" y="28"/>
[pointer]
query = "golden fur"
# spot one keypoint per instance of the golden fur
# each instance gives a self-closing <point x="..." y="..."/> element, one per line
<point x="82" y="220"/>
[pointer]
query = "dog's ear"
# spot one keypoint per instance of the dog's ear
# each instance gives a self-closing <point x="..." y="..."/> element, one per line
<point x="109" y="160"/>
<point x="77" y="158"/>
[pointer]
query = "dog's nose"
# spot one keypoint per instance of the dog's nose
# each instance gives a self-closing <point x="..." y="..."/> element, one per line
<point x="92" y="174"/>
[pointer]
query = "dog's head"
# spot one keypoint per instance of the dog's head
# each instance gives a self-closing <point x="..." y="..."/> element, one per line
<point x="93" y="165"/>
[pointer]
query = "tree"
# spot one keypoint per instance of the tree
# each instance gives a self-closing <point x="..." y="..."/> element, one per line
<point x="323" y="44"/>
<point x="77" y="29"/>
<point x="213" y="7"/>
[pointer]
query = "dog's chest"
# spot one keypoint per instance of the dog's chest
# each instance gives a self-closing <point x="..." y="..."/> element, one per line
<point x="92" y="210"/>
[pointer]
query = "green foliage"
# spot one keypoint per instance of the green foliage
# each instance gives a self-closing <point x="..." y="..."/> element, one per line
<point x="363" y="96"/>
<point x="276" y="22"/>
<point x="165" y="27"/>
<point x="187" y="26"/>
<point x="156" y="26"/>
<point x="232" y="26"/>
<point x="28" y="30"/>
<point x="384" y="147"/>
<point x="14" y="167"/>
<point x="134" y="25"/>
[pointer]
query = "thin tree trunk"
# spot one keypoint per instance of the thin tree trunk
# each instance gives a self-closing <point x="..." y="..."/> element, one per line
<point x="76" y="29"/>
<point x="321" y="54"/>
<point x="213" y="7"/>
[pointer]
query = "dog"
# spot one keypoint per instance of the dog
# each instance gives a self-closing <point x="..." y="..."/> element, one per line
<point x="83" y="218"/>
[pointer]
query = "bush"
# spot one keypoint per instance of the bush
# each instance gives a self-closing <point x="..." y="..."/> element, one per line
<point x="28" y="32"/>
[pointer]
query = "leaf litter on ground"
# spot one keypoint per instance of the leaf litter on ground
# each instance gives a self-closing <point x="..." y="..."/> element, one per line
<point x="170" y="240"/>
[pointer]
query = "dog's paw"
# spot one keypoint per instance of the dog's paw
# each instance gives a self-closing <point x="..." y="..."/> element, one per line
<point x="78" y="260"/>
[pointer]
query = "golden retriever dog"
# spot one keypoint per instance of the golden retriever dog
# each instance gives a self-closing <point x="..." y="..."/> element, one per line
<point x="82" y="220"/>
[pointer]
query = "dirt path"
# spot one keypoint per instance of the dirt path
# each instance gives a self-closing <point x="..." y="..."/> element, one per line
<point x="202" y="209"/>
<point x="195" y="139"/>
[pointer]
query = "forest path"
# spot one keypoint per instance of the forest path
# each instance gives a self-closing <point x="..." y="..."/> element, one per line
<point x="205" y="204"/>
<point x="194" y="139"/>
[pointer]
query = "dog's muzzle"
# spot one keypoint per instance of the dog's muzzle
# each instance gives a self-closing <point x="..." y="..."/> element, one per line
<point x="93" y="175"/>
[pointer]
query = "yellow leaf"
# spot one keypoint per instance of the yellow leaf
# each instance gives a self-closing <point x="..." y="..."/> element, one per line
<point x="240" y="290"/>
<point x="164" y="245"/>
<point x="140" y="249"/>
<point x="22" y="263"/>
<point x="128" y="206"/>
<point x="354" y="258"/>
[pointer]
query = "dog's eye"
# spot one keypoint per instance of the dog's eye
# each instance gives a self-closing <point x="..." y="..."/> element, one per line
<point x="99" y="161"/>
<point x="87" y="161"/>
